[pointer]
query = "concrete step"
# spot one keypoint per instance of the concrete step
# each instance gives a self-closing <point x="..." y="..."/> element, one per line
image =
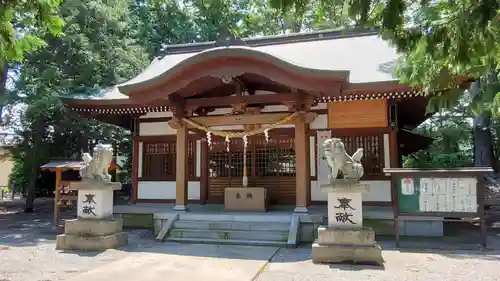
<point x="240" y="242"/>
<point x="226" y="234"/>
<point x="232" y="225"/>
<point x="228" y="216"/>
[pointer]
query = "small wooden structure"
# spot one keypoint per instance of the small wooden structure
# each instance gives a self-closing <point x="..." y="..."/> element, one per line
<point x="457" y="195"/>
<point x="63" y="196"/>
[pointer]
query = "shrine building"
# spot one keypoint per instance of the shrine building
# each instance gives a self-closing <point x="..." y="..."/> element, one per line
<point x="277" y="99"/>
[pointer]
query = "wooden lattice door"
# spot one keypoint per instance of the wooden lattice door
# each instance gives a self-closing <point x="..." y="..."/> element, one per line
<point x="269" y="164"/>
<point x="225" y="167"/>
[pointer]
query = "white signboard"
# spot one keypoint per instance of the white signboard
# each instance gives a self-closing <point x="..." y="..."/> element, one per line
<point x="407" y="186"/>
<point x="323" y="168"/>
<point x="447" y="194"/>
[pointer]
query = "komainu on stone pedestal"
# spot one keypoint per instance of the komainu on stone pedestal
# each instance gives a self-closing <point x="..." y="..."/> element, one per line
<point x="345" y="239"/>
<point x="95" y="228"/>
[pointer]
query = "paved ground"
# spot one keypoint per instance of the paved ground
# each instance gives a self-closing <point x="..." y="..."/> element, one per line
<point x="27" y="254"/>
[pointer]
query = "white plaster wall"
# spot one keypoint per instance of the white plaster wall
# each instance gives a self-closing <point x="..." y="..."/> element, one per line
<point x="274" y="108"/>
<point x="322" y="105"/>
<point x="312" y="153"/>
<point x="378" y="191"/>
<point x="165" y="190"/>
<point x="228" y="127"/>
<point x="220" y="111"/>
<point x="155" y="129"/>
<point x="387" y="153"/>
<point x="198" y="158"/>
<point x="320" y="122"/>
<point x="139" y="166"/>
<point x="157" y="115"/>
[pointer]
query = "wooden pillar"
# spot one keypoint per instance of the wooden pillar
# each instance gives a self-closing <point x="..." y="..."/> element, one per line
<point x="394" y="149"/>
<point x="135" y="170"/>
<point x="302" y="171"/>
<point x="57" y="197"/>
<point x="204" y="171"/>
<point x="308" y="166"/>
<point x="181" y="179"/>
<point x="135" y="161"/>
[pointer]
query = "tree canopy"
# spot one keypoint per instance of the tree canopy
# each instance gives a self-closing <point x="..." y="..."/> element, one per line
<point x="439" y="42"/>
<point x="81" y="47"/>
<point x="22" y="26"/>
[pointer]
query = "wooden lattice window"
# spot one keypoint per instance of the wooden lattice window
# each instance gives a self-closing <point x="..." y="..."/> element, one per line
<point x="159" y="160"/>
<point x="275" y="162"/>
<point x="275" y="158"/>
<point x="373" y="156"/>
<point x="229" y="164"/>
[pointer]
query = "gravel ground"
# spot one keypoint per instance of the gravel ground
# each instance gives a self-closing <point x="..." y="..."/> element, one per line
<point x="401" y="266"/>
<point x="27" y="253"/>
<point x="27" y="248"/>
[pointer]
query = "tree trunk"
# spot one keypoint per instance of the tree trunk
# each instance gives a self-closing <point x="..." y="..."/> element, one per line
<point x="484" y="155"/>
<point x="38" y="128"/>
<point x="3" y="87"/>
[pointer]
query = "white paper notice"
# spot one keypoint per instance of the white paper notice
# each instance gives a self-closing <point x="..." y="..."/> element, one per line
<point x="467" y="186"/>
<point x="452" y="199"/>
<point x="439" y="186"/>
<point x="442" y="204"/>
<point x="407" y="186"/>
<point x="462" y="203"/>
<point x="453" y="186"/>
<point x="426" y="186"/>
<point x="471" y="204"/>
<point x="427" y="203"/>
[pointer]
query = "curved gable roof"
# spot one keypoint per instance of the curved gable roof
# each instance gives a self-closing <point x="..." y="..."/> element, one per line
<point x="161" y="71"/>
<point x="367" y="57"/>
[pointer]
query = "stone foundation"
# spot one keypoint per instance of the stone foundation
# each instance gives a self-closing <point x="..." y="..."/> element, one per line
<point x="92" y="235"/>
<point x="338" y="245"/>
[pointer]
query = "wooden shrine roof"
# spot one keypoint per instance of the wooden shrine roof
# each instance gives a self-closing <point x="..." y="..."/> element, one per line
<point x="353" y="64"/>
<point x="63" y="164"/>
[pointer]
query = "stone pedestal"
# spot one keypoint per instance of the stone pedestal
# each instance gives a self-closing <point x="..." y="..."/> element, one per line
<point x="345" y="239"/>
<point x="95" y="228"/>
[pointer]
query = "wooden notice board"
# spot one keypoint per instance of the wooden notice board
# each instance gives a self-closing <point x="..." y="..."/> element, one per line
<point x="455" y="194"/>
<point x="437" y="194"/>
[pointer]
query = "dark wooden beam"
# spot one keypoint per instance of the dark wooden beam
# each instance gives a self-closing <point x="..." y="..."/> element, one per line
<point x="228" y="101"/>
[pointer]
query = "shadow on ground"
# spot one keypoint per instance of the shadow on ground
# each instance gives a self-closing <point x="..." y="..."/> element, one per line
<point x="18" y="229"/>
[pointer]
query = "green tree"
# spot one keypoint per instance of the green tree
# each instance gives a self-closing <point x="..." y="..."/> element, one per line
<point x="452" y="132"/>
<point x="22" y="23"/>
<point x="97" y="51"/>
<point x="439" y="42"/>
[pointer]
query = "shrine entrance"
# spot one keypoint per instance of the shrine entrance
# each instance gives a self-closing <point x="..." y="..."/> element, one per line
<point x="270" y="164"/>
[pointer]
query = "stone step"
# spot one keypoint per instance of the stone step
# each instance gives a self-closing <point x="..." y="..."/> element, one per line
<point x="240" y="242"/>
<point x="228" y="216"/>
<point x="226" y="234"/>
<point x="232" y="225"/>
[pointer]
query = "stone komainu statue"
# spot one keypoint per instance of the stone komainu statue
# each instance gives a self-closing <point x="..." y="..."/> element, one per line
<point x="96" y="166"/>
<point x="340" y="161"/>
